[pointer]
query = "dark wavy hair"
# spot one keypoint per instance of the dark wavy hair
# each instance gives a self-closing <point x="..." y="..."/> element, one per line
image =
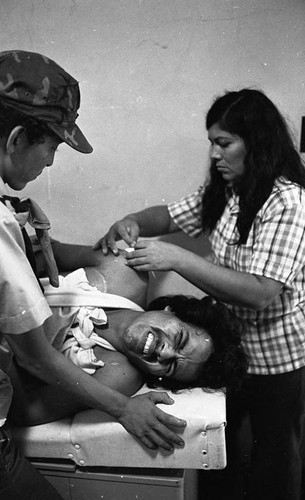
<point x="271" y="153"/>
<point x="227" y="366"/>
<point x="11" y="118"/>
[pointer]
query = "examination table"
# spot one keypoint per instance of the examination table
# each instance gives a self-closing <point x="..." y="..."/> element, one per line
<point x="91" y="456"/>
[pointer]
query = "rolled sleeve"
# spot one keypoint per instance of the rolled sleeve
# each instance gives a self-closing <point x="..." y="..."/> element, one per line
<point x="22" y="304"/>
<point x="186" y="213"/>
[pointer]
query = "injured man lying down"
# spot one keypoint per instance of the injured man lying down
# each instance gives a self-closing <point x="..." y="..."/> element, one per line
<point x="102" y="323"/>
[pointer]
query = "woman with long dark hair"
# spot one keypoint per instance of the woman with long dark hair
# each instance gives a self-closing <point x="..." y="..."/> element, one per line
<point x="252" y="208"/>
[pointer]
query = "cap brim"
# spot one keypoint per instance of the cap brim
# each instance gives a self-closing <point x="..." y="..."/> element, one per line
<point x="72" y="136"/>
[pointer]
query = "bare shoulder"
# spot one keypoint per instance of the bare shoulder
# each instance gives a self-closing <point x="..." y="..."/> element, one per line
<point x="119" y="279"/>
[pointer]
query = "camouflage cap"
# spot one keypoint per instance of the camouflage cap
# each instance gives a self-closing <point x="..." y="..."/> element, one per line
<point x="37" y="86"/>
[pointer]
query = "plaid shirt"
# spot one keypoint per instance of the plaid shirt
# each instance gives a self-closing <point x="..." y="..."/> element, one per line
<point x="275" y="248"/>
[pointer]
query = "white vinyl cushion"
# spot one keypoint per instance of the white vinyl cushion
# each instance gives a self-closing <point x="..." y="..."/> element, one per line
<point x="93" y="438"/>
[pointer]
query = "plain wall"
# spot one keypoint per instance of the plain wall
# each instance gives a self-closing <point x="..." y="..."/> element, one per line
<point x="148" y="72"/>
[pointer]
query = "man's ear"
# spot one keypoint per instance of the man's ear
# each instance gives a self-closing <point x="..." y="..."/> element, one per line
<point x="14" y="138"/>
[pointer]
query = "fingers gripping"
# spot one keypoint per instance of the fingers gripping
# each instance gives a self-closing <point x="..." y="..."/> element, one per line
<point x="150" y="424"/>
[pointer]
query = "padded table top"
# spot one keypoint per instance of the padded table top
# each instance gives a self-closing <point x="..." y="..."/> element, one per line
<point x="93" y="438"/>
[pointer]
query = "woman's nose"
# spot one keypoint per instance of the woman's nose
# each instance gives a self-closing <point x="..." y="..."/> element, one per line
<point x="215" y="152"/>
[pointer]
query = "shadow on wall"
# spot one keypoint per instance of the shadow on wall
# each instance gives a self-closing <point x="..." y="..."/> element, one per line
<point x="169" y="283"/>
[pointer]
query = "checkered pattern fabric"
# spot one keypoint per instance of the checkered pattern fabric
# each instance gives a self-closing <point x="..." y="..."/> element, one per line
<point x="275" y="336"/>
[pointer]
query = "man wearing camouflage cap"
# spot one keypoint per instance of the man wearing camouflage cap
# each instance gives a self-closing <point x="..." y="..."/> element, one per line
<point x="38" y="111"/>
<point x="35" y="85"/>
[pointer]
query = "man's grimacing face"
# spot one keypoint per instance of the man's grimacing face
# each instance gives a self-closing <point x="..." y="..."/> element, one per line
<point x="161" y="344"/>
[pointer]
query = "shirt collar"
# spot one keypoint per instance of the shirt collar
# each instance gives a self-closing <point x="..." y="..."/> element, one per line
<point x="3" y="188"/>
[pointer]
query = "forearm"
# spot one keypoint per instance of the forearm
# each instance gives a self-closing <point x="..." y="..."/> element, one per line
<point x="154" y="221"/>
<point x="88" y="390"/>
<point x="49" y="365"/>
<point x="70" y="257"/>
<point x="227" y="285"/>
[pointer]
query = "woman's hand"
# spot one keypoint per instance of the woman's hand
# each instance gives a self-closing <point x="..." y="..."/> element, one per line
<point x="142" y="418"/>
<point x="126" y="229"/>
<point x="154" y="256"/>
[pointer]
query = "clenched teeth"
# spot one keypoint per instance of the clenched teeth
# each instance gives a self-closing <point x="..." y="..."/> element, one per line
<point x="148" y="343"/>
